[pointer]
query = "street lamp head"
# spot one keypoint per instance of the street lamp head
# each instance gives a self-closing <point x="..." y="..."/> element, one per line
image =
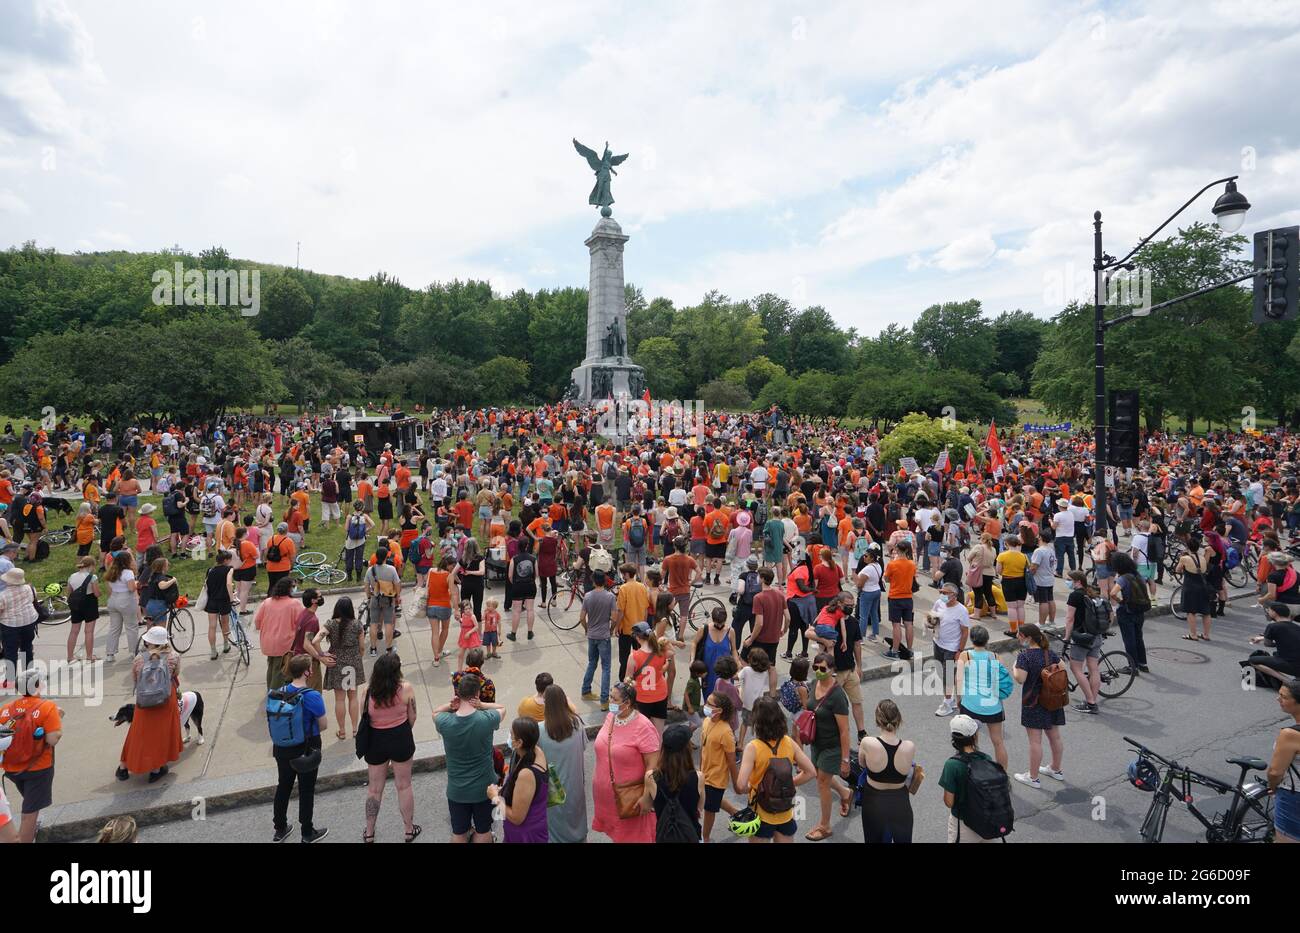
<point x="1230" y="209"/>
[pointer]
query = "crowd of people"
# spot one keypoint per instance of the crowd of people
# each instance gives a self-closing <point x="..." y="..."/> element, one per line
<point x="815" y="541"/>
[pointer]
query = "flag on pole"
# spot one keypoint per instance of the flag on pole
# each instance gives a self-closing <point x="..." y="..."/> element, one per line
<point x="970" y="460"/>
<point x="646" y="396"/>
<point x="996" y="460"/>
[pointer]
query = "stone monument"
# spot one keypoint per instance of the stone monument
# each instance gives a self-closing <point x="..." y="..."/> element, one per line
<point x="606" y="371"/>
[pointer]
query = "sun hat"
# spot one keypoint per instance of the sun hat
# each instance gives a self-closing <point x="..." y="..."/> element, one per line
<point x="156" y="636"/>
<point x="147" y="508"/>
<point x="15" y="576"/>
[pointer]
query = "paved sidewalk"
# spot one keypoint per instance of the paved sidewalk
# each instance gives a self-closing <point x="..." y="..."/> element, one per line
<point x="234" y="765"/>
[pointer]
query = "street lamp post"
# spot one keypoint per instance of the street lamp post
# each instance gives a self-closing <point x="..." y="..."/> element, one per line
<point x="1229" y="211"/>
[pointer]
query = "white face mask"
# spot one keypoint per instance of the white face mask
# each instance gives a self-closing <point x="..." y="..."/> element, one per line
<point x="708" y="712"/>
<point x="615" y="708"/>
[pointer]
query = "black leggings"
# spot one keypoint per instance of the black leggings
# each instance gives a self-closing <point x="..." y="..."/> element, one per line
<point x="798" y="629"/>
<point x="984" y="594"/>
<point x="886" y="815"/>
<point x="541" y="590"/>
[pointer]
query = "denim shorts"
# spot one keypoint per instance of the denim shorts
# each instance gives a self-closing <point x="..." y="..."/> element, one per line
<point x="1286" y="812"/>
<point x="441" y="613"/>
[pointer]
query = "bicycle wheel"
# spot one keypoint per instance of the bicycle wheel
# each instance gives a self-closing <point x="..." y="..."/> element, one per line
<point x="180" y="629"/>
<point x="701" y="609"/>
<point x="1176" y="603"/>
<point x="56" y="610"/>
<point x="567" y="609"/>
<point x="1237" y="576"/>
<point x="310" y="559"/>
<point x="1153" y="824"/>
<point x="57" y="538"/>
<point x="1116" y="670"/>
<point x="329" y="576"/>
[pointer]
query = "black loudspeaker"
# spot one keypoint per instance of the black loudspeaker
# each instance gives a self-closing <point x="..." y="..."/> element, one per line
<point x="1122" y="439"/>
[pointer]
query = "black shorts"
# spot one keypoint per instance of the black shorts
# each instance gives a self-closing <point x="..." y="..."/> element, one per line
<point x="36" y="787"/>
<point x="713" y="798"/>
<point x="999" y="716"/>
<point x="713" y="551"/>
<point x="386" y="507"/>
<point x="463" y="815"/>
<point x="247" y="575"/>
<point x="1013" y="589"/>
<point x="767" y="830"/>
<point x="655" y="710"/>
<point x="396" y="744"/>
<point x="1043" y="594"/>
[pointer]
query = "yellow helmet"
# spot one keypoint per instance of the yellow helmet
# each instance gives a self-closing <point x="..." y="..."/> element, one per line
<point x="745" y="822"/>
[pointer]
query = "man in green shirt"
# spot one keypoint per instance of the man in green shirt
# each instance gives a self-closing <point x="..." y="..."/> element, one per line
<point x="466" y="726"/>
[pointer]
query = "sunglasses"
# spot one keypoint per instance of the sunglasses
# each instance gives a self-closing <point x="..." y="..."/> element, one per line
<point x="822" y="668"/>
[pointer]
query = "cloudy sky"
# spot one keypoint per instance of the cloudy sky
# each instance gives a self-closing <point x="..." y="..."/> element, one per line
<point x="870" y="158"/>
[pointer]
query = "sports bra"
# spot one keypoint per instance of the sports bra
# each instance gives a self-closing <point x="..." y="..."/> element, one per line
<point x="888" y="774"/>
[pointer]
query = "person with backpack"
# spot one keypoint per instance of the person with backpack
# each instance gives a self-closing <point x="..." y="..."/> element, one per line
<point x="280" y="553"/>
<point x="356" y="529"/>
<point x="35" y="725"/>
<point x="636" y="533"/>
<point x="295" y="716"/>
<point x="521" y="576"/>
<point x="211" y="505"/>
<point x="1132" y="602"/>
<point x="744" y="589"/>
<point x="1044" y="693"/>
<point x="153" y="740"/>
<point x="83" y="602"/>
<point x="772" y="766"/>
<point x="975" y="788"/>
<point x="675" y="790"/>
<point x="983" y="685"/>
<point x="1087" y="620"/>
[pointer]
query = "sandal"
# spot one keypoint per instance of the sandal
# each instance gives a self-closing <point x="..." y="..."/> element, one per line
<point x="817" y="835"/>
<point x="341" y="734"/>
<point x="1190" y="638"/>
<point x="367" y="837"/>
<point x="414" y="834"/>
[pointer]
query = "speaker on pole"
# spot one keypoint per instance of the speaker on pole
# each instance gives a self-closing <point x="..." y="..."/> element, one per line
<point x="1122" y="441"/>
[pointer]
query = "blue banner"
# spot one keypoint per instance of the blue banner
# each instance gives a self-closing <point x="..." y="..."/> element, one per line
<point x="1047" y="428"/>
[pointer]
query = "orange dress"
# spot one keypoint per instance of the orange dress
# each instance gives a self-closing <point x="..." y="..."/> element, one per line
<point x="154" y="736"/>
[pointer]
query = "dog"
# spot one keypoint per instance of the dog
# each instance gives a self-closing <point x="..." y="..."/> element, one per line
<point x="191" y="703"/>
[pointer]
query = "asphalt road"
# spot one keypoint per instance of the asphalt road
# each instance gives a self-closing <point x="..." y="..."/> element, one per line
<point x="1191" y="707"/>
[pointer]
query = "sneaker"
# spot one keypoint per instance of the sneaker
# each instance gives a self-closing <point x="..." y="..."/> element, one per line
<point x="588" y="695"/>
<point x="373" y="651"/>
<point x="1144" y="669"/>
<point x="511" y="637"/>
<point x="282" y="834"/>
<point x="892" y="655"/>
<point x="1094" y="709"/>
<point x="530" y="636"/>
<point x="212" y="653"/>
<point x="316" y="835"/>
<point x="1032" y="782"/>
<point x="945" y="709"/>
<point x="1080" y="707"/>
<point x="873" y="638"/>
<point x="226" y="648"/>
<point x="787" y="656"/>
<point x="604" y="707"/>
<point x="437" y="662"/>
<point x="1055" y="775"/>
<point x="122" y="774"/>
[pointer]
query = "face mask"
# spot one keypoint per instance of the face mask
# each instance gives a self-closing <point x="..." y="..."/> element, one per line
<point x="821" y="675"/>
<point x="615" y="708"/>
<point x="708" y="712"/>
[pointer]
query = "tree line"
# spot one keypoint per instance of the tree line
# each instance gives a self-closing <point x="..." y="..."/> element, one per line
<point x="85" y="336"/>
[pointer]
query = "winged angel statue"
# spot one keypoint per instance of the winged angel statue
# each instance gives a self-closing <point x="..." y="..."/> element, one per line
<point x="603" y="166"/>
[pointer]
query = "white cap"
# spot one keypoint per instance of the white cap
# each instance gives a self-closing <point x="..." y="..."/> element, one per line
<point x="962" y="724"/>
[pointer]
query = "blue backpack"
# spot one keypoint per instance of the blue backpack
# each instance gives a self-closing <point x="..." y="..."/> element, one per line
<point x="636" y="533"/>
<point x="286" y="718"/>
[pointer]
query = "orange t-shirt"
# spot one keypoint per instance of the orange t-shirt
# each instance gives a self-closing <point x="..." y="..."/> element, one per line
<point x="605" y="515"/>
<point x="247" y="554"/>
<point x="287" y="553"/>
<point x="364" y="490"/>
<point x="713" y="519"/>
<point x="45" y="714"/>
<point x="899" y="573"/>
<point x="464" y="510"/>
<point x="440" y="588"/>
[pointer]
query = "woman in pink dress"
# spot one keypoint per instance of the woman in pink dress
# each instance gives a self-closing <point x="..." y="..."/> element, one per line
<point x="631" y="742"/>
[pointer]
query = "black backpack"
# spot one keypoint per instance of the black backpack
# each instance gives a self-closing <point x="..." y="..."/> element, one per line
<point x="1139" y="599"/>
<point x="1096" y="616"/>
<point x="273" y="552"/>
<point x="673" y="824"/>
<point x="987" y="807"/>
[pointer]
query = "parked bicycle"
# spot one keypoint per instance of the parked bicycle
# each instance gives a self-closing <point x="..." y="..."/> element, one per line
<point x="179" y="623"/>
<point x="239" y="637"/>
<point x="1246" y="817"/>
<point x="1115" y="669"/>
<point x="311" y="565"/>
<point x="55" y="604"/>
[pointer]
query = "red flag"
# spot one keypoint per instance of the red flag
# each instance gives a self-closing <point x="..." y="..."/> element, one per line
<point x="646" y="395"/>
<point x="996" y="460"/>
<point x="970" y="460"/>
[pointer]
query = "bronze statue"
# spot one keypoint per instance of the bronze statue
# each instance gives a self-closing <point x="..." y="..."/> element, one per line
<point x="603" y="166"/>
<point x="613" y="340"/>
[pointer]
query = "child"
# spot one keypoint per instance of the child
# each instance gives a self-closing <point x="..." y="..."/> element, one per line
<point x="692" y="701"/>
<point x="717" y="756"/>
<point x="422" y="549"/>
<point x="469" y="632"/>
<point x="754" y="683"/>
<point x="794" y="692"/>
<point x="491" y="622"/>
<point x="725" y="668"/>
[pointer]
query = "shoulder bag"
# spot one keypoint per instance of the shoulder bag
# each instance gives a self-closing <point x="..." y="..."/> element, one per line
<point x="627" y="796"/>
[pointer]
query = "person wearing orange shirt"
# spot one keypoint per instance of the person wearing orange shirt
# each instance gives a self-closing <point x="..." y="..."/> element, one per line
<point x="605" y="524"/>
<point x="303" y="499"/>
<point x="717" y="527"/>
<point x="464" y="509"/>
<point x="277" y="570"/>
<point x="245" y="564"/>
<point x="900" y="574"/>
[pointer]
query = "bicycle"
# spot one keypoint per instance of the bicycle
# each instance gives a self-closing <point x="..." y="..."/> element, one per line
<point x="700" y="607"/>
<point x="239" y="637"/>
<point x="315" y="569"/>
<point x="55" y="604"/>
<point x="1247" y="818"/>
<point x="179" y="623"/>
<point x="1115" y="670"/>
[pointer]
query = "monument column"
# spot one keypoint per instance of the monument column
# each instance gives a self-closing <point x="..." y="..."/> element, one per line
<point x="606" y="299"/>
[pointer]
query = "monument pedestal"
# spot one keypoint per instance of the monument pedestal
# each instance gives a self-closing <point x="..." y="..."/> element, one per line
<point x="606" y="371"/>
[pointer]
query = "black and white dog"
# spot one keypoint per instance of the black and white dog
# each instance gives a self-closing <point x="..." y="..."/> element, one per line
<point x="191" y="703"/>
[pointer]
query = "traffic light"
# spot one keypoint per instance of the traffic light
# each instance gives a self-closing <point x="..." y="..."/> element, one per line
<point x="1277" y="291"/>
<point x="1122" y="438"/>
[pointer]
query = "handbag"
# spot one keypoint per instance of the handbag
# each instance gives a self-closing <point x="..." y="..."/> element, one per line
<point x="806" y="722"/>
<point x="202" y="602"/>
<point x="627" y="796"/>
<point x="364" y="731"/>
<point x="974" y="575"/>
<point x="555" y="793"/>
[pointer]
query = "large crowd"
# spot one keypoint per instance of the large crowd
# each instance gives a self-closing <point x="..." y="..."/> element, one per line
<point x="815" y="544"/>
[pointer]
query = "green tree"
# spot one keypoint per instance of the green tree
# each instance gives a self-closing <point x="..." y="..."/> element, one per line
<point x="922" y="438"/>
<point x="503" y="379"/>
<point x="661" y="360"/>
<point x="755" y="374"/>
<point x="312" y="377"/>
<point x="725" y="396"/>
<point x="956" y="335"/>
<point x="286" y="307"/>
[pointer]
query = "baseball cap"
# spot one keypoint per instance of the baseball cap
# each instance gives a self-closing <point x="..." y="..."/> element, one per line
<point x="962" y="724"/>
